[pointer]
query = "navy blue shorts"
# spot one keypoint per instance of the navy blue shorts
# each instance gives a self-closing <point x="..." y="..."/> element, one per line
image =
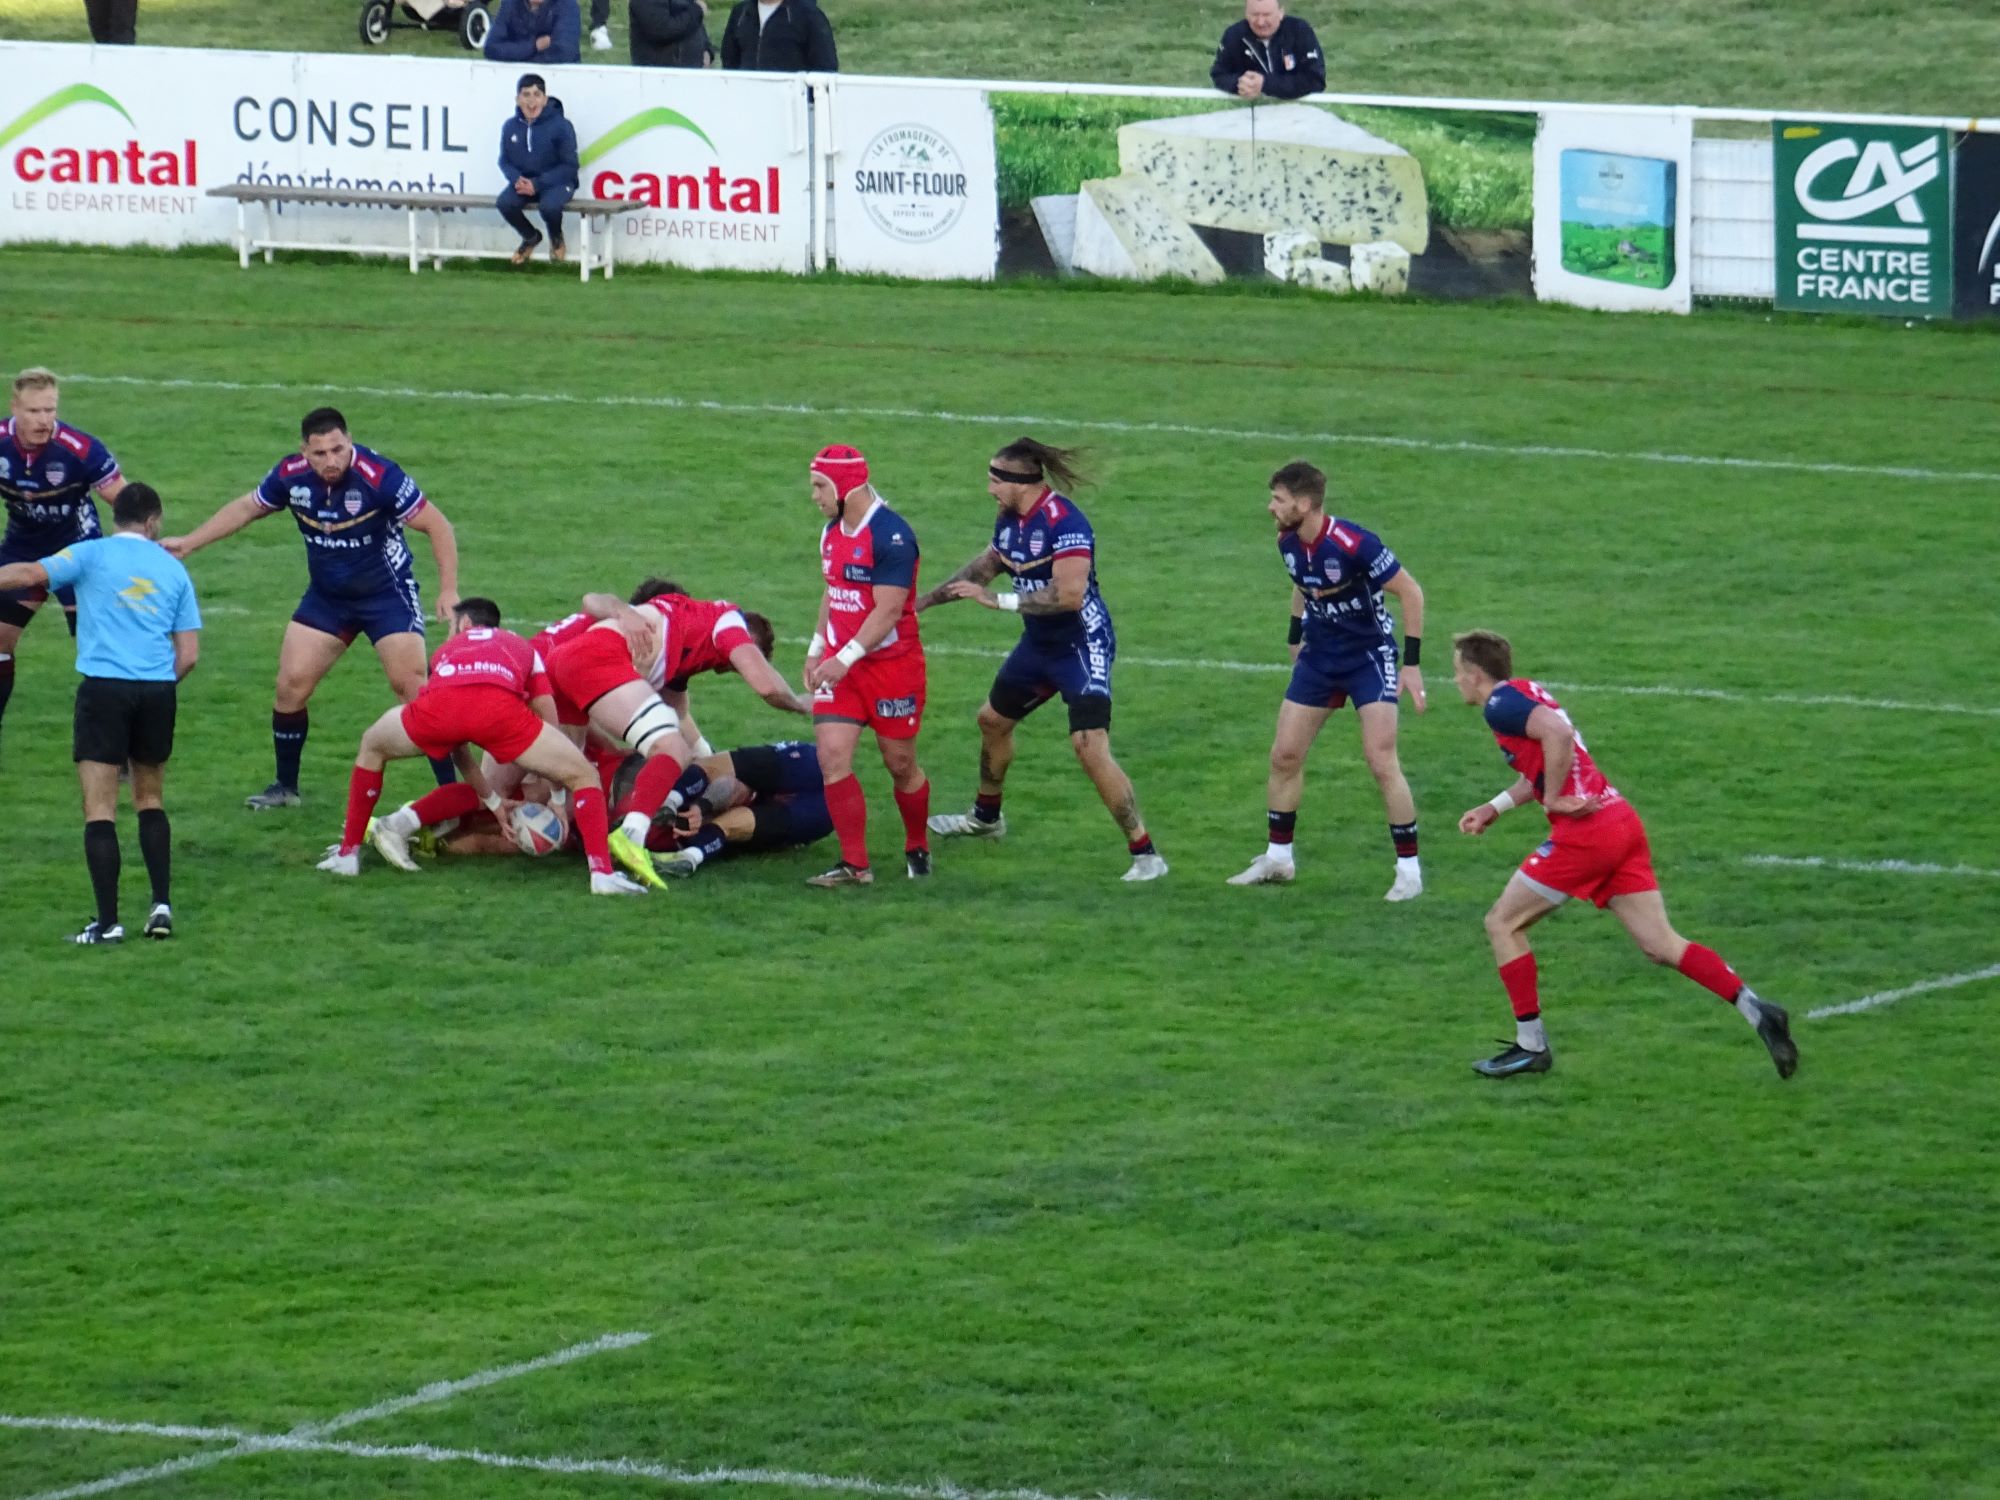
<point x="790" y="822"/>
<point x="1080" y="673"/>
<point x="789" y="768"/>
<point x="14" y="603"/>
<point x="1362" y="678"/>
<point x="397" y="611"/>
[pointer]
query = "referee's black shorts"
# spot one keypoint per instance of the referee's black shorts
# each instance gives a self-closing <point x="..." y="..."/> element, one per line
<point x="118" y="720"/>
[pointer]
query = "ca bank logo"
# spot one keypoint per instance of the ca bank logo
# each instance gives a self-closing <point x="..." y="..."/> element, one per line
<point x="1880" y="179"/>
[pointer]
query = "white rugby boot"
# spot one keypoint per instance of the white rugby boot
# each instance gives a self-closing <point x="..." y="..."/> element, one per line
<point x="1265" y="870"/>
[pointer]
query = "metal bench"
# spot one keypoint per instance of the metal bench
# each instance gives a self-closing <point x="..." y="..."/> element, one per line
<point x="597" y="211"/>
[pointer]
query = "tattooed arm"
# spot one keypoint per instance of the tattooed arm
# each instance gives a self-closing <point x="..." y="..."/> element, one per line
<point x="1068" y="583"/>
<point x="979" y="571"/>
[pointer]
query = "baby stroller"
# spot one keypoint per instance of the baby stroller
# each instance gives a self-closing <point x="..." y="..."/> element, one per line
<point x="469" y="18"/>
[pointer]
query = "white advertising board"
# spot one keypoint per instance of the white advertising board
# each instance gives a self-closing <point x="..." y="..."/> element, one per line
<point x="1614" y="209"/>
<point x="915" y="181"/>
<point x="119" y="145"/>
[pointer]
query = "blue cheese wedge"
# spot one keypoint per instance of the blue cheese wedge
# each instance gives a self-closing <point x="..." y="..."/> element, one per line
<point x="1276" y="168"/>
<point x="1322" y="275"/>
<point x="1381" y="267"/>
<point x="1126" y="228"/>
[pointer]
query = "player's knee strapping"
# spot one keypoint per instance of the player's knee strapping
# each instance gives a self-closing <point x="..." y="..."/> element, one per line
<point x="651" y="728"/>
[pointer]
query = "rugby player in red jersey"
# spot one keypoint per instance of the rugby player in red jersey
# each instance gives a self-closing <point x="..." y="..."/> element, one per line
<point x="865" y="666"/>
<point x="623" y="669"/>
<point x="1596" y="851"/>
<point x="487" y="687"/>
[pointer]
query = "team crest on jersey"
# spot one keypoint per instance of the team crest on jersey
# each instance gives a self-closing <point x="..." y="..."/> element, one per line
<point x="352" y="504"/>
<point x="55" y="474"/>
<point x="1035" y="545"/>
<point x="1332" y="571"/>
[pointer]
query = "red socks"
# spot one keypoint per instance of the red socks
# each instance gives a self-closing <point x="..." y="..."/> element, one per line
<point x="363" y="787"/>
<point x="1523" y="992"/>
<point x="591" y="826"/>
<point x="1706" y="968"/>
<point x="454" y="801"/>
<point x="849" y="809"/>
<point x="650" y="791"/>
<point x="916" y="809"/>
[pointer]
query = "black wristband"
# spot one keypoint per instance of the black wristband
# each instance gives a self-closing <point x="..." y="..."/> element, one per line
<point x="1413" y="650"/>
<point x="1297" y="633"/>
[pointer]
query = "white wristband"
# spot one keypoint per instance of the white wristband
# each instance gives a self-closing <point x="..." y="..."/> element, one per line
<point x="1009" y="603"/>
<point x="851" y="653"/>
<point x="1504" y="802"/>
<point x="493" y="801"/>
<point x="817" y="649"/>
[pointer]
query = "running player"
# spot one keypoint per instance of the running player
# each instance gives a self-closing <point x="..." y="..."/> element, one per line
<point x="865" y="666"/>
<point x="1596" y="851"/>
<point x="47" y="472"/>
<point x="1343" y="647"/>
<point x="623" y="669"/>
<point x="489" y="688"/>
<point x="1067" y="644"/>
<point x="352" y="506"/>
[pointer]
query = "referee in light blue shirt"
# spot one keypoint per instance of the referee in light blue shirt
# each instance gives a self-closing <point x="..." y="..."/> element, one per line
<point x="138" y="634"/>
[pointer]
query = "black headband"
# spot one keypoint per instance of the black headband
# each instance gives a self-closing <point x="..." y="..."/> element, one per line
<point x="1013" y="476"/>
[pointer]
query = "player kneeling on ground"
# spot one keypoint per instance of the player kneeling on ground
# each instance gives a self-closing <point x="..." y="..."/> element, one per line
<point x="487" y="687"/>
<point x="1596" y="851"/>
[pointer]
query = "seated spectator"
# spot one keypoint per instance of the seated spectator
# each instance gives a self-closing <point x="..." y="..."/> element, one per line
<point x="669" y="33"/>
<point x="536" y="31"/>
<point x="779" y="36"/>
<point x="1269" y="55"/>
<point x="538" y="159"/>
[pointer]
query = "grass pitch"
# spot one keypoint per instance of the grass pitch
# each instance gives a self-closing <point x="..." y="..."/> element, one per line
<point x="1028" y="1178"/>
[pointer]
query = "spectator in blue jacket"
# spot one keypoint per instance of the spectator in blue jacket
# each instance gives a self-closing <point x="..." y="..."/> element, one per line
<point x="536" y="31"/>
<point x="538" y="159"/>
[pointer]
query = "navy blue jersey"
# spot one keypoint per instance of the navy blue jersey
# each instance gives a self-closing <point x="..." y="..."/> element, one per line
<point x="1029" y="546"/>
<point x="353" y="527"/>
<point x="1341" y="571"/>
<point x="48" y="490"/>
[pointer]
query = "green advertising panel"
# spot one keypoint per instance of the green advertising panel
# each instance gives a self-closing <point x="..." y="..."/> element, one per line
<point x="1863" y="219"/>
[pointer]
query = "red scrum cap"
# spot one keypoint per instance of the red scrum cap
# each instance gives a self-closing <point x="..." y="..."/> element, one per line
<point x="845" y="466"/>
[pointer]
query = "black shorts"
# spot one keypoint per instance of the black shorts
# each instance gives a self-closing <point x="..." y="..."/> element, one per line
<point x="118" y="720"/>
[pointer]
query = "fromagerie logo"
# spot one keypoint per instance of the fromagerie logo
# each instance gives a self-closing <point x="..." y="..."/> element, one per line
<point x="911" y="183"/>
<point x="1863" y="218"/>
<point x="48" y="158"/>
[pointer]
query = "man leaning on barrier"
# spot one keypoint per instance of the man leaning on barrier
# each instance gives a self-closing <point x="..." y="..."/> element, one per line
<point x="538" y="159"/>
<point x="1268" y="55"/>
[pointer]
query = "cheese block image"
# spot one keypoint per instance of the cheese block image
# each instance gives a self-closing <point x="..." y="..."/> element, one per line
<point x="1126" y="228"/>
<point x="1322" y="275"/>
<point x="1380" y="267"/>
<point x="1280" y="167"/>
<point x="1283" y="251"/>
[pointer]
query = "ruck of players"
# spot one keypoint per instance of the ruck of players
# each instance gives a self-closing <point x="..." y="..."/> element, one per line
<point x="579" y="738"/>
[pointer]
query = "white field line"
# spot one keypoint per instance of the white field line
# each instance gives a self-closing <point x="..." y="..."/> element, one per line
<point x="1661" y="690"/>
<point x="1004" y="419"/>
<point x="1890" y="997"/>
<point x="623" y="1468"/>
<point x="248" y="1443"/>
<point x="1869" y="866"/>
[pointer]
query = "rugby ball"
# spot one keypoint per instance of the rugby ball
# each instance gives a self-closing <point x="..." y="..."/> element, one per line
<point x="538" y="828"/>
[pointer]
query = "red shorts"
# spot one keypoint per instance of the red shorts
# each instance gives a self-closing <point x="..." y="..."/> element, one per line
<point x="887" y="695"/>
<point x="1595" y="858"/>
<point x="492" y="718"/>
<point x="585" y="669"/>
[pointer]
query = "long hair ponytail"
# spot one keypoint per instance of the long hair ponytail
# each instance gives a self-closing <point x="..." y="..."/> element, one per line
<point x="1057" y="464"/>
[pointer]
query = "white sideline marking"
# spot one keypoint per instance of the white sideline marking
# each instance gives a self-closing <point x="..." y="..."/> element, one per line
<point x="1870" y="866"/>
<point x="249" y="1443"/>
<point x="624" y="1468"/>
<point x="1717" y="695"/>
<point x="1003" y="419"/>
<point x="1890" y="997"/>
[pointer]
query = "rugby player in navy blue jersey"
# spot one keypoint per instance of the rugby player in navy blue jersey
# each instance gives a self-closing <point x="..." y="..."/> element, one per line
<point x="1066" y="646"/>
<point x="351" y="505"/>
<point x="48" y="470"/>
<point x="1343" y="650"/>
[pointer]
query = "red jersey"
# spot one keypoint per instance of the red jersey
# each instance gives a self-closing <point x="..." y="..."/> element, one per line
<point x="1507" y="714"/>
<point x="881" y="553"/>
<point x="488" y="658"/>
<point x="697" y="636"/>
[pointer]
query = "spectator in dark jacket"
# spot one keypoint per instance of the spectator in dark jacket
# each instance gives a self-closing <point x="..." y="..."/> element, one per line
<point x="779" y="36"/>
<point x="1268" y="55"/>
<point x="669" y="33"/>
<point x="536" y="31"/>
<point x="538" y="159"/>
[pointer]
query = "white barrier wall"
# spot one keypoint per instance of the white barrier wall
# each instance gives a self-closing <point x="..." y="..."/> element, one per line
<point x="119" y="145"/>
